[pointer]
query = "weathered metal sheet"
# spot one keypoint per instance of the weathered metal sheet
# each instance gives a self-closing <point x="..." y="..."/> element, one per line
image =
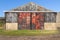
<point x="58" y="17"/>
<point x="50" y="17"/>
<point x="11" y="17"/>
<point x="30" y="7"/>
<point x="37" y="20"/>
<point x="32" y="20"/>
<point x="24" y="20"/>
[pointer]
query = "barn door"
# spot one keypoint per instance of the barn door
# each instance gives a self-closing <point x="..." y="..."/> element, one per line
<point x="24" y="20"/>
<point x="37" y="20"/>
<point x="31" y="20"/>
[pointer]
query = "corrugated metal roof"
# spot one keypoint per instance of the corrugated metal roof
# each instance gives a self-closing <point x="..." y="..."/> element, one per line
<point x="30" y="7"/>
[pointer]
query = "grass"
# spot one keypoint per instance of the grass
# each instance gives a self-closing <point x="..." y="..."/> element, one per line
<point x="2" y="24"/>
<point x="27" y="32"/>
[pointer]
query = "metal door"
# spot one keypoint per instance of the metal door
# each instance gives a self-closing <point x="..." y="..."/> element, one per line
<point x="31" y="20"/>
<point x="37" y="20"/>
<point x="24" y="20"/>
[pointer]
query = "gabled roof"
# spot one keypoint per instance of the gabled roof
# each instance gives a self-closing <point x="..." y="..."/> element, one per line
<point x="30" y="7"/>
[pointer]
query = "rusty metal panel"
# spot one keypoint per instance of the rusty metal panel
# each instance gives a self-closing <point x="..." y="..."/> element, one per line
<point x="39" y="20"/>
<point x="31" y="20"/>
<point x="24" y="20"/>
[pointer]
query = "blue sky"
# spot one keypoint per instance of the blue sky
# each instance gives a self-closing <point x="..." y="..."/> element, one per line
<point x="9" y="4"/>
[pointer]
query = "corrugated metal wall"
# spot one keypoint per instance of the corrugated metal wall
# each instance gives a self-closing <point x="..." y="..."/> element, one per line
<point x="11" y="17"/>
<point x="11" y="21"/>
<point x="24" y="20"/>
<point x="50" y="17"/>
<point x="30" y="20"/>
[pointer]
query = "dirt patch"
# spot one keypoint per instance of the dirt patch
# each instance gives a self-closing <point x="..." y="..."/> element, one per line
<point x="50" y="37"/>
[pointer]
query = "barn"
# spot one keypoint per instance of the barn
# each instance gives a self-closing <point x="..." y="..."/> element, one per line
<point x="31" y="17"/>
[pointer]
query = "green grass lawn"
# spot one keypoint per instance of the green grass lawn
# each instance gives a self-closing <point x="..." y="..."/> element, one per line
<point x="28" y="32"/>
<point x="25" y="32"/>
<point x="1" y="24"/>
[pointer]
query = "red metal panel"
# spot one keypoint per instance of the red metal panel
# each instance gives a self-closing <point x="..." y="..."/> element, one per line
<point x="28" y="20"/>
<point x="38" y="20"/>
<point x="24" y="20"/>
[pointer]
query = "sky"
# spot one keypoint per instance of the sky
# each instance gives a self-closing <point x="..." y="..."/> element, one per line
<point x="9" y="4"/>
